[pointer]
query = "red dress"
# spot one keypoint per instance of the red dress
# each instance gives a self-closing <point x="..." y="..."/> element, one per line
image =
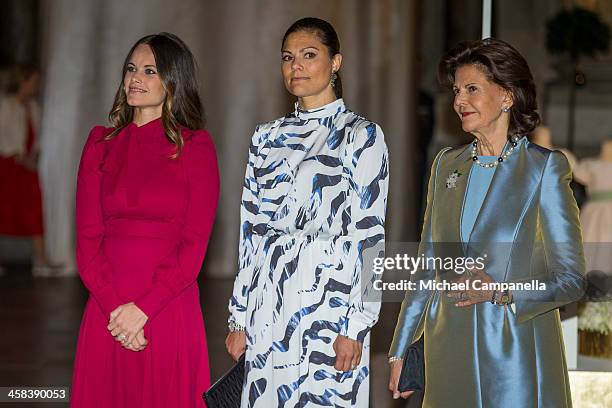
<point x="143" y="222"/>
<point x="21" y="202"/>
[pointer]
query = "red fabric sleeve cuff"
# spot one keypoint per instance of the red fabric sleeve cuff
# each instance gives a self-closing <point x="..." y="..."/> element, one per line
<point x="107" y="299"/>
<point x="154" y="300"/>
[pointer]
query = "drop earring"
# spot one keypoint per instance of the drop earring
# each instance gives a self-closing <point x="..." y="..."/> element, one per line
<point x="333" y="79"/>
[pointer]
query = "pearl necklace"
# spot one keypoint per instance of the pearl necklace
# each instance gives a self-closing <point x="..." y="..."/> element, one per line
<point x="504" y="156"/>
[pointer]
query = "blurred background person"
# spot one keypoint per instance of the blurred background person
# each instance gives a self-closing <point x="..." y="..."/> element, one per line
<point x="596" y="217"/>
<point x="21" y="213"/>
<point x="146" y="200"/>
<point x="541" y="136"/>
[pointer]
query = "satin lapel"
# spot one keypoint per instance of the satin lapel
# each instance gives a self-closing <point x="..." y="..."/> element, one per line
<point x="450" y="197"/>
<point x="513" y="185"/>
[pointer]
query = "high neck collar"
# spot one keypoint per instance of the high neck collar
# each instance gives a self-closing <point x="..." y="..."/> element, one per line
<point x="154" y="124"/>
<point x="324" y="111"/>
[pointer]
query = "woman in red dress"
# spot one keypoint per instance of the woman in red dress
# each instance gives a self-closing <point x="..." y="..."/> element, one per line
<point x="21" y="212"/>
<point x="146" y="199"/>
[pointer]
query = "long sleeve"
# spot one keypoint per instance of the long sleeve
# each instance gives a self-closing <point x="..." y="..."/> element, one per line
<point x="249" y="239"/>
<point x="369" y="181"/>
<point x="92" y="264"/>
<point x="180" y="269"/>
<point x="408" y="328"/>
<point x="565" y="264"/>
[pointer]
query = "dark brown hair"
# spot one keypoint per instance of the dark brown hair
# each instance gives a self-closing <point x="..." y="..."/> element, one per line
<point x="503" y="65"/>
<point x="18" y="75"/>
<point x="177" y="70"/>
<point x="326" y="34"/>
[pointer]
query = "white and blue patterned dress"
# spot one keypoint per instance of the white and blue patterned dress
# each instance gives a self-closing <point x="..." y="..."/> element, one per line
<point x="314" y="199"/>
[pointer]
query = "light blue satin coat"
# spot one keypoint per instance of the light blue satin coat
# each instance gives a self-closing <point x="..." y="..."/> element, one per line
<point x="487" y="355"/>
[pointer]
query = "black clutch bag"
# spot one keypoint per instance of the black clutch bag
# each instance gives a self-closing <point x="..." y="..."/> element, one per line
<point x="412" y="377"/>
<point x="226" y="392"/>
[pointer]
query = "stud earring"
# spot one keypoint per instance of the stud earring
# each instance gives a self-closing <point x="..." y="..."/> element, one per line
<point x="505" y="109"/>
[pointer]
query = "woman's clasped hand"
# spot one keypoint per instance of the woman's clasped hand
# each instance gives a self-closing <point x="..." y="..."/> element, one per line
<point x="126" y="325"/>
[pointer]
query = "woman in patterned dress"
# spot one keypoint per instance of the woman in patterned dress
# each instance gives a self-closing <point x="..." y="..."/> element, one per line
<point x="314" y="199"/>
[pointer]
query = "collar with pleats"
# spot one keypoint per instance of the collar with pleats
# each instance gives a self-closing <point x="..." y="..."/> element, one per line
<point x="324" y="111"/>
<point x="150" y="136"/>
<point x="153" y="125"/>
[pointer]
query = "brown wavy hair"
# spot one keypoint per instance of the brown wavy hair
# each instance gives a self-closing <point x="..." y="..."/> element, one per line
<point x="503" y="65"/>
<point x="177" y="70"/>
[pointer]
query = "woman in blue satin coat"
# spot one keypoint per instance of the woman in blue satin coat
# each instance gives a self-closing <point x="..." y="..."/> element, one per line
<point x="507" y="201"/>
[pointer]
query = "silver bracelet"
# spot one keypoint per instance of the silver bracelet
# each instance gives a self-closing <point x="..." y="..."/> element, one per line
<point x="234" y="327"/>
<point x="393" y="359"/>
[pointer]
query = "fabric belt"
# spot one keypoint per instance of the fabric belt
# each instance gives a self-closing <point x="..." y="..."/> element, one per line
<point x="142" y="228"/>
